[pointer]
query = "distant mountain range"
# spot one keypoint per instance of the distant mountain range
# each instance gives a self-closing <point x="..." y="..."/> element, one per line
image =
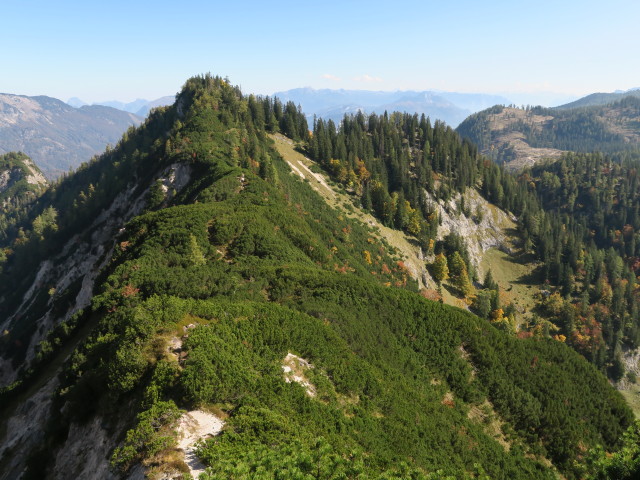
<point x="139" y="107"/>
<point x="56" y="135"/>
<point x="450" y="107"/>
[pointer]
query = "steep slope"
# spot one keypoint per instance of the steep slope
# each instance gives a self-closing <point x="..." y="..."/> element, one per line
<point x="497" y="135"/>
<point x="221" y="282"/>
<point x="587" y="239"/>
<point x="522" y="137"/>
<point x="423" y="180"/>
<point x="18" y="176"/>
<point x="54" y="258"/>
<point x="21" y="182"/>
<point x="479" y="234"/>
<point x="411" y="254"/>
<point x="55" y="135"/>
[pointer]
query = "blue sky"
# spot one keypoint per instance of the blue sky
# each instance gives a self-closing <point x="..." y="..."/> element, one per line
<point x="122" y="50"/>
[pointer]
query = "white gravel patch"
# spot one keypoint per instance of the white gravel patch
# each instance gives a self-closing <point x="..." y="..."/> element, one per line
<point x="194" y="426"/>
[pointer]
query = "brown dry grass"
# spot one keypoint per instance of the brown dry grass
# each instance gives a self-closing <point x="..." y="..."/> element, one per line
<point x="166" y="464"/>
<point x="632" y="395"/>
<point x="525" y="154"/>
<point x="485" y="415"/>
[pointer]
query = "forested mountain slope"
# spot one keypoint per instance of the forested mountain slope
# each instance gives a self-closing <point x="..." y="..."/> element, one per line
<point x="586" y="236"/>
<point x="57" y="136"/>
<point x="21" y="182"/>
<point x="600" y="99"/>
<point x="418" y="177"/>
<point x="189" y="269"/>
<point x="520" y="137"/>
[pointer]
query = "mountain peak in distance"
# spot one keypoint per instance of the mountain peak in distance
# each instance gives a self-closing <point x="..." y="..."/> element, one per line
<point x="75" y="102"/>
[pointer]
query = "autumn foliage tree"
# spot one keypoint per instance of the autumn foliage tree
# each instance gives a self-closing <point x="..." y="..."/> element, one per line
<point x="440" y="269"/>
<point x="459" y="275"/>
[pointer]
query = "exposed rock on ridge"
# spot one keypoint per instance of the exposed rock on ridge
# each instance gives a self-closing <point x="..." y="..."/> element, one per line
<point x="82" y="258"/>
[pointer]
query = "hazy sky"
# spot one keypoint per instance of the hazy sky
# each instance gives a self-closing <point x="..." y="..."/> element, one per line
<point x="122" y="50"/>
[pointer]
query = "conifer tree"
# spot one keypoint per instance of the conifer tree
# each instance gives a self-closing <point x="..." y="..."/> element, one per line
<point x="489" y="282"/>
<point x="440" y="269"/>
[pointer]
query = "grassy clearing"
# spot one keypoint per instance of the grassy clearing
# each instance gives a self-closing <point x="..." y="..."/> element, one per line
<point x="301" y="167"/>
<point x="632" y="396"/>
<point x="449" y="297"/>
<point x="514" y="277"/>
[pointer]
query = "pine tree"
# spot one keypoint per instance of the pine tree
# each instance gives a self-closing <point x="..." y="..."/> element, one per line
<point x="489" y="282"/>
